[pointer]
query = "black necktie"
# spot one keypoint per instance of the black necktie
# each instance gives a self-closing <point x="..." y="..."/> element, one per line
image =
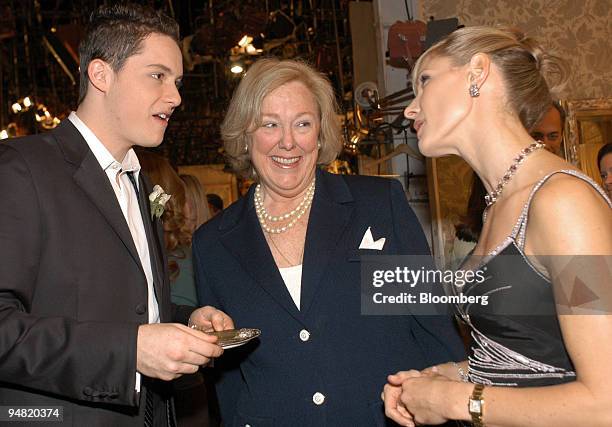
<point x="133" y="181"/>
<point x="148" y="414"/>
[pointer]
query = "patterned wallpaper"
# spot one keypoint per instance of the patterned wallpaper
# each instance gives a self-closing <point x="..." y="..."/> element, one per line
<point x="578" y="30"/>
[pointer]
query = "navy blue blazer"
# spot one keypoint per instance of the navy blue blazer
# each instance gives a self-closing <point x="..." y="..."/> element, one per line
<point x="325" y="364"/>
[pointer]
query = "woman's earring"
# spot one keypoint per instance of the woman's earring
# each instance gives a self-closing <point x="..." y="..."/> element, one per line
<point x="474" y="92"/>
<point x="246" y="148"/>
<point x="319" y="145"/>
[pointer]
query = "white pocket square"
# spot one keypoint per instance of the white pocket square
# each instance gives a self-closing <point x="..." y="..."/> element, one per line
<point x="368" y="241"/>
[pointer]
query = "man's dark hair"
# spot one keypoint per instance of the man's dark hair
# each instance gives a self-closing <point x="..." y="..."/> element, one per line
<point x="471" y="226"/>
<point x="603" y="151"/>
<point x="116" y="32"/>
<point x="215" y="200"/>
<point x="561" y="111"/>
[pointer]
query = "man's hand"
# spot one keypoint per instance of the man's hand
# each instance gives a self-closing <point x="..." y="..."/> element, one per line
<point x="169" y="350"/>
<point x="210" y="319"/>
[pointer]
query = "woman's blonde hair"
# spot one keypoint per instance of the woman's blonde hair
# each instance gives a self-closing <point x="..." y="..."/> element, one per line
<point x="177" y="235"/>
<point x="530" y="73"/>
<point x="244" y="113"/>
<point x="196" y="196"/>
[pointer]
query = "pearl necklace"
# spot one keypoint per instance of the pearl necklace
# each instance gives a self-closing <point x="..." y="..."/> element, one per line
<point x="295" y="214"/>
<point x="495" y="194"/>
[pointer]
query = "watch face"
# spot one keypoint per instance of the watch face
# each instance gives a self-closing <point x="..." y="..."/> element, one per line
<point x="475" y="406"/>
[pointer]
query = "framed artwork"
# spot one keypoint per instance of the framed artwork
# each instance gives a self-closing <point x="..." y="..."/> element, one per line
<point x="588" y="126"/>
<point x="449" y="183"/>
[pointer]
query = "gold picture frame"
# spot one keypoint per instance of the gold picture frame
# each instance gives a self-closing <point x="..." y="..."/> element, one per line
<point x="449" y="185"/>
<point x="588" y="126"/>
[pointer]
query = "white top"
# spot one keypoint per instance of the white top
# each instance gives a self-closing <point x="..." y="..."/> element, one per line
<point x="126" y="197"/>
<point x="292" y="276"/>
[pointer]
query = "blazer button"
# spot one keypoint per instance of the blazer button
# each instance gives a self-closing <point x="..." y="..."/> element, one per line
<point x="318" y="398"/>
<point x="304" y="335"/>
<point x="141" y="309"/>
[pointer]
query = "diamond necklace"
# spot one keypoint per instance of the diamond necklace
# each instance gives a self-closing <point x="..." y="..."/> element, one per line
<point x="495" y="194"/>
<point x="263" y="216"/>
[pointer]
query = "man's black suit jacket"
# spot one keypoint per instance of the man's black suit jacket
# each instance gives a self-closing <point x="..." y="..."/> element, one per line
<point x="72" y="288"/>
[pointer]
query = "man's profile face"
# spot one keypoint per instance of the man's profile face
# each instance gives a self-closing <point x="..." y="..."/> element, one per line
<point x="549" y="130"/>
<point x="144" y="92"/>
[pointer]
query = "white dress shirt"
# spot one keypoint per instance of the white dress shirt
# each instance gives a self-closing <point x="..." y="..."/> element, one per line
<point x="126" y="196"/>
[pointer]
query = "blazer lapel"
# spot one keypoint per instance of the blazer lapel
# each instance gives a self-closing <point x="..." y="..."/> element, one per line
<point x="329" y="216"/>
<point x="94" y="182"/>
<point x="153" y="238"/>
<point x="241" y="234"/>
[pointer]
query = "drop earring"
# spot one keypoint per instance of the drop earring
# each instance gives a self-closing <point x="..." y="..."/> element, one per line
<point x="474" y="91"/>
<point x="319" y="145"/>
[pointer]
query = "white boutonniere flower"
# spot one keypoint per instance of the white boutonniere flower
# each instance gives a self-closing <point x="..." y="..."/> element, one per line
<point x="158" y="199"/>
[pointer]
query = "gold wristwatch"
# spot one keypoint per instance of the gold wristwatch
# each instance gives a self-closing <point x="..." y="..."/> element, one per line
<point x="476" y="405"/>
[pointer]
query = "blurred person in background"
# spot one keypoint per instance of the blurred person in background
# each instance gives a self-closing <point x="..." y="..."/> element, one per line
<point x="197" y="211"/>
<point x="604" y="162"/>
<point x="177" y="226"/>
<point x="549" y="129"/>
<point x="195" y="403"/>
<point x="215" y="203"/>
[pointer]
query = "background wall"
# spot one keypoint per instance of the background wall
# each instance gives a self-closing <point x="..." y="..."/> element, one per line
<point x="579" y="30"/>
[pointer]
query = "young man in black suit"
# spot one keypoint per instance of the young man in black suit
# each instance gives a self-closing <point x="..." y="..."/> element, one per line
<point x="84" y="291"/>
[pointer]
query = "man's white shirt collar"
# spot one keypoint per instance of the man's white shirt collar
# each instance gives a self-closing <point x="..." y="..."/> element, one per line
<point x="129" y="163"/>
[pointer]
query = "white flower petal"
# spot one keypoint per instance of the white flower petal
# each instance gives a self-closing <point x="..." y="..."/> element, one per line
<point x="157" y="190"/>
<point x="164" y="199"/>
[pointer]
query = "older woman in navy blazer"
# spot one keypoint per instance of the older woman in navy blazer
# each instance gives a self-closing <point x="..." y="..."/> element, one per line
<point x="286" y="259"/>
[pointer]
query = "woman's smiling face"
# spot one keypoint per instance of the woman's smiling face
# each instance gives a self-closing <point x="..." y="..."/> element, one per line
<point x="284" y="148"/>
